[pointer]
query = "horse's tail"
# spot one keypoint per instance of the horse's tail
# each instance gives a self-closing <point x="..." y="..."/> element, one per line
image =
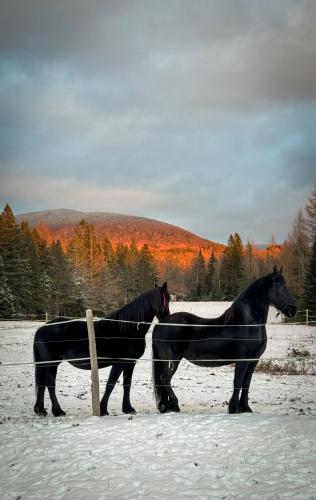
<point x="157" y="370"/>
<point x="40" y="371"/>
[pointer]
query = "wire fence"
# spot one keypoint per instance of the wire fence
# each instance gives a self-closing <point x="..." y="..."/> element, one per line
<point x="120" y="338"/>
<point x="48" y="316"/>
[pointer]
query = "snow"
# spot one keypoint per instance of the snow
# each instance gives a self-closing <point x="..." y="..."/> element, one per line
<point x="200" y="453"/>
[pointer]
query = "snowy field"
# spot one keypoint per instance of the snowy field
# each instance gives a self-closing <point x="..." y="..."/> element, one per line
<point x="200" y="453"/>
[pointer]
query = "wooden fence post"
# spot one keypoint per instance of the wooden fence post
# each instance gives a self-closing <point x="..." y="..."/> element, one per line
<point x="306" y="316"/>
<point x="94" y="366"/>
<point x="46" y="317"/>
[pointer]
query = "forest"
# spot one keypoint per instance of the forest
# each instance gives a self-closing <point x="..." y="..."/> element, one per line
<point x="37" y="277"/>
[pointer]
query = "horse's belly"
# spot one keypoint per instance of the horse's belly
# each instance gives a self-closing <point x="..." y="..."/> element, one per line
<point x="222" y="352"/>
<point x="209" y="364"/>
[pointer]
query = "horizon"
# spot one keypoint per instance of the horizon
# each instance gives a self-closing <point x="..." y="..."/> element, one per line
<point x="201" y="115"/>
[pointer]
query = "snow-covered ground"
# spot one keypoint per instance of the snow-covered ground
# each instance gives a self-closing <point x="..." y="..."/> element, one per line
<point x="200" y="453"/>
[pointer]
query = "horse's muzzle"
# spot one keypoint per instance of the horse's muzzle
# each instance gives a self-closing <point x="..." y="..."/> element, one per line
<point x="290" y="310"/>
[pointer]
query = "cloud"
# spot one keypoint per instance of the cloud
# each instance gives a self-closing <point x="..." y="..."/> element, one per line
<point x="198" y="113"/>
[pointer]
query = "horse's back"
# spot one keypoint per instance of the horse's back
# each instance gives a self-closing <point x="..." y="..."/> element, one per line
<point x="61" y="330"/>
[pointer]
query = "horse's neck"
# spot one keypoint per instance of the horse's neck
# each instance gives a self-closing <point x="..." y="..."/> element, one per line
<point x="251" y="307"/>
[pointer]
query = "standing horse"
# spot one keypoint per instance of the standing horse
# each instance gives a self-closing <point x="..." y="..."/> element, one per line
<point x="115" y="341"/>
<point x="237" y="336"/>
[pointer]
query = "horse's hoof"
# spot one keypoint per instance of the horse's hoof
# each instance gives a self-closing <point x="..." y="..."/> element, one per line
<point x="130" y="410"/>
<point x="233" y="409"/>
<point x="58" y="412"/>
<point x="174" y="407"/>
<point x="103" y="412"/>
<point x="40" y="411"/>
<point x="162" y="408"/>
<point x="246" y="409"/>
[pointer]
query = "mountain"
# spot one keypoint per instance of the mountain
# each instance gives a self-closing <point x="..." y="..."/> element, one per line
<point x="167" y="242"/>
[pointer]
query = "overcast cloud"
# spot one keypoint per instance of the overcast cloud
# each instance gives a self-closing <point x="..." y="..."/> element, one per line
<point x="201" y="114"/>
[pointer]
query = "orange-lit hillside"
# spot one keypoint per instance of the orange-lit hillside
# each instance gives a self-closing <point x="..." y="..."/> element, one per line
<point x="169" y="244"/>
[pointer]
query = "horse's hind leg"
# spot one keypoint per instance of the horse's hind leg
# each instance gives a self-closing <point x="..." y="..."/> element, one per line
<point x="51" y="385"/>
<point x="115" y="372"/>
<point x="127" y="382"/>
<point x="169" y="401"/>
<point x="243" y="403"/>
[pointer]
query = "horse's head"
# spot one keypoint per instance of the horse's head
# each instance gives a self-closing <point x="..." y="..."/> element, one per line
<point x="279" y="294"/>
<point x="162" y="308"/>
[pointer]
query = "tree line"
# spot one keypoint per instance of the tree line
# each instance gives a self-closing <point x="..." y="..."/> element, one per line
<point x="36" y="277"/>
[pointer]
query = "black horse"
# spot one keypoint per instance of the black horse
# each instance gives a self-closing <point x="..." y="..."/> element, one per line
<point x="115" y="340"/>
<point x="220" y="341"/>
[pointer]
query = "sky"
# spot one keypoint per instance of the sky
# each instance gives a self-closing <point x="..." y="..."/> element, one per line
<point x="198" y="113"/>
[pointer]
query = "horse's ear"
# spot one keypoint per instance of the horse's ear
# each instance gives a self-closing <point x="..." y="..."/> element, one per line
<point x="275" y="270"/>
<point x="281" y="270"/>
<point x="165" y="287"/>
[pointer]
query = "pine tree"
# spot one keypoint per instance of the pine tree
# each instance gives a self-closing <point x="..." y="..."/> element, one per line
<point x="197" y="278"/>
<point x="210" y="277"/>
<point x="86" y="254"/>
<point x="133" y="276"/>
<point x="64" y="292"/>
<point x="7" y="299"/>
<point x="121" y="271"/>
<point x="309" y="301"/>
<point x="251" y="272"/>
<point x="147" y="269"/>
<point x="232" y="271"/>
<point x="31" y="294"/>
<point x="109" y="278"/>
<point x="13" y="257"/>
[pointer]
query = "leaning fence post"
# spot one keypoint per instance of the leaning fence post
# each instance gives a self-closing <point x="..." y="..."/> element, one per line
<point x="306" y="316"/>
<point x="94" y="366"/>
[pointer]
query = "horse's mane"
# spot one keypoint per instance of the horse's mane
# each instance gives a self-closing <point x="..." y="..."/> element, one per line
<point x="255" y="288"/>
<point x="136" y="309"/>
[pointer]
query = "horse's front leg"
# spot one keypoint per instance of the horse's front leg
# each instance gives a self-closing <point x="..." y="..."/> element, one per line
<point x="115" y="372"/>
<point x="127" y="382"/>
<point x="51" y="380"/>
<point x="240" y="372"/>
<point x="243" y="403"/>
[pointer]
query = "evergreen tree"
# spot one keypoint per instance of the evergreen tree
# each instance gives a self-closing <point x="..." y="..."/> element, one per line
<point x="7" y="299"/>
<point x="197" y="278"/>
<point x="251" y="272"/>
<point x="232" y="271"/>
<point x="31" y="294"/>
<point x="309" y="301"/>
<point x="133" y="277"/>
<point x="15" y="260"/>
<point x="121" y="270"/>
<point x="64" y="293"/>
<point x="146" y="269"/>
<point x="211" y="276"/>
<point x="86" y="254"/>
